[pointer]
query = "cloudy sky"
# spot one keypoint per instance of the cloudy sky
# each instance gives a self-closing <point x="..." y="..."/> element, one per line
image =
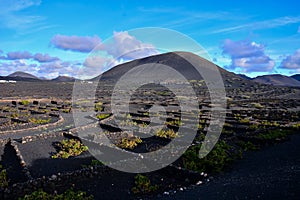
<point x="52" y="37"/>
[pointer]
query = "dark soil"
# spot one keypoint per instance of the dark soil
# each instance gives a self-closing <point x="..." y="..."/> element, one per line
<point x="270" y="173"/>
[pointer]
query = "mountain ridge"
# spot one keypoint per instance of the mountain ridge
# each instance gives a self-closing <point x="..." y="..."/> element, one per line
<point x="277" y="80"/>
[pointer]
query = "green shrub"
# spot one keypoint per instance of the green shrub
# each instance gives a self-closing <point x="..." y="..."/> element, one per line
<point x="3" y="178"/>
<point x="102" y="116"/>
<point x="66" y="110"/>
<point x="244" y="120"/>
<point x="253" y="127"/>
<point x="227" y="131"/>
<point x="24" y="102"/>
<point x="93" y="163"/>
<point x="296" y="126"/>
<point x="269" y="123"/>
<point x="14" y="115"/>
<point x="70" y="147"/>
<point x="273" y="134"/>
<point x="169" y="134"/>
<point x="39" y="120"/>
<point x="176" y="122"/>
<point x="143" y="185"/>
<point x="215" y="160"/>
<point x="246" y="146"/>
<point x="129" y="143"/>
<point x="257" y="105"/>
<point x="67" y="195"/>
<point x="143" y="125"/>
<point x="98" y="106"/>
<point x="128" y="122"/>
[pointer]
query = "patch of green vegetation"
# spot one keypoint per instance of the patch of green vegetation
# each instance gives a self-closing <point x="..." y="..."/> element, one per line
<point x="5" y="108"/>
<point x="227" y="124"/>
<point x="69" y="147"/>
<point x="93" y="163"/>
<point x="129" y="143"/>
<point x="269" y="123"/>
<point x="143" y="185"/>
<point x="215" y="160"/>
<point x="237" y="116"/>
<point x="24" y="102"/>
<point x="128" y="122"/>
<point x="102" y="116"/>
<point x="247" y="146"/>
<point x="162" y="93"/>
<point x="67" y="195"/>
<point x="169" y="134"/>
<point x="227" y="131"/>
<point x="14" y="115"/>
<point x="274" y="134"/>
<point x="39" y="120"/>
<point x="200" y="126"/>
<point x="128" y="116"/>
<point x="296" y="126"/>
<point x="66" y="110"/>
<point x="193" y="81"/>
<point x="143" y="125"/>
<point x="176" y="122"/>
<point x="257" y="105"/>
<point x="253" y="126"/>
<point x="244" y="120"/>
<point x="3" y="178"/>
<point x="98" y="106"/>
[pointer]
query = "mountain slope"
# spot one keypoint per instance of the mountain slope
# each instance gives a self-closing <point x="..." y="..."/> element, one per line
<point x="64" y="79"/>
<point x="244" y="76"/>
<point x="296" y="77"/>
<point x="277" y="79"/>
<point x="177" y="62"/>
<point x="22" y="75"/>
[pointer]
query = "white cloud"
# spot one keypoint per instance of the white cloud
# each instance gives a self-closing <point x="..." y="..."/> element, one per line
<point x="83" y="44"/>
<point x="247" y="56"/>
<point x="291" y="62"/>
<point x="127" y="47"/>
<point x="18" y="65"/>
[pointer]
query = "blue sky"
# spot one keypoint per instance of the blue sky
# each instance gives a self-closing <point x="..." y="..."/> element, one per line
<point x="53" y="37"/>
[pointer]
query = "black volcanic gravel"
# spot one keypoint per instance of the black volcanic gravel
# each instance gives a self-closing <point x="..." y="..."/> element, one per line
<point x="270" y="173"/>
<point x="37" y="155"/>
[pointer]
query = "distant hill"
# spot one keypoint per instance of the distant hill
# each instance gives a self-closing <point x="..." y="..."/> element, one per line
<point x="64" y="79"/>
<point x="277" y="79"/>
<point x="244" y="76"/>
<point x="296" y="76"/>
<point x="22" y="75"/>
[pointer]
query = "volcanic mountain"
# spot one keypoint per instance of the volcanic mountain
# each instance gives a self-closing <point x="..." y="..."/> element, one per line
<point x="278" y="80"/>
<point x="20" y="74"/>
<point x="177" y="61"/>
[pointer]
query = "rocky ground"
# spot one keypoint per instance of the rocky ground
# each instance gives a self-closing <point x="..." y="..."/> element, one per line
<point x="255" y="157"/>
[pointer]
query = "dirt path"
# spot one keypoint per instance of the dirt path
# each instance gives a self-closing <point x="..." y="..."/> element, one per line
<point x="270" y="173"/>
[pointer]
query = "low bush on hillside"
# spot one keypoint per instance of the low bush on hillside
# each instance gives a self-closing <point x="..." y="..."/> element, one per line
<point x="67" y="195"/>
<point x="143" y="185"/>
